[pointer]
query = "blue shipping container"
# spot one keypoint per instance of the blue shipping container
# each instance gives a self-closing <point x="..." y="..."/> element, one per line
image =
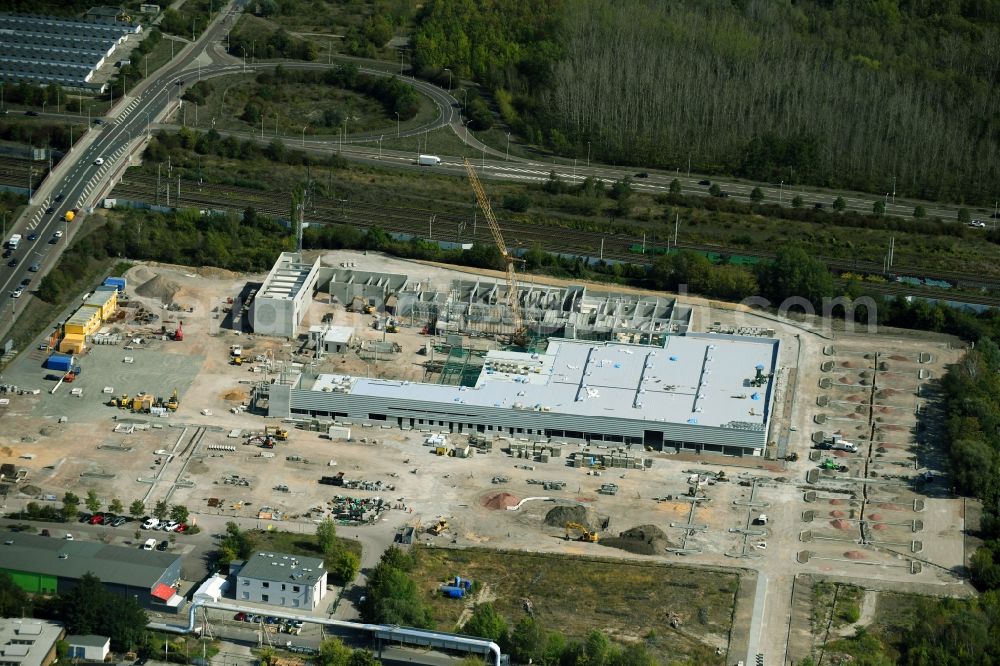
<point x="452" y="592"/>
<point x="59" y="362"/>
<point x="116" y="282"/>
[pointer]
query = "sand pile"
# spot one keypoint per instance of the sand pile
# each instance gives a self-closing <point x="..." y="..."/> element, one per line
<point x="875" y="516"/>
<point x="560" y="515"/>
<point x="854" y="555"/>
<point x="500" y="501"/>
<point x="880" y="527"/>
<point x="837" y="502"/>
<point x="159" y="288"/>
<point x="837" y="514"/>
<point x="641" y="540"/>
<point x="841" y="524"/>
<point x="217" y="273"/>
<point x="141" y="274"/>
<point x="235" y="394"/>
<point x="889" y="506"/>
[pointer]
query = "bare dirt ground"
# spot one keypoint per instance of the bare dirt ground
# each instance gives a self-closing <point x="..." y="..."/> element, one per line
<point x="912" y="533"/>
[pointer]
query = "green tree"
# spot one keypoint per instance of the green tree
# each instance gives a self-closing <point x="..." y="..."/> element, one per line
<point x="89" y="608"/>
<point x="93" y="502"/>
<point x="839" y="204"/>
<point x="798" y="201"/>
<point x="675" y="186"/>
<point x="116" y="507"/>
<point x="527" y="640"/>
<point x="14" y="601"/>
<point x="161" y="509"/>
<point x="795" y="273"/>
<point x="333" y="652"/>
<point x="878" y="208"/>
<point x="70" y="507"/>
<point x="326" y="537"/>
<point x="486" y="622"/>
<point x="364" y="658"/>
<point x="964" y="216"/>
<point x="597" y="648"/>
<point x="756" y="195"/>
<point x="919" y="212"/>
<point x="268" y="655"/>
<point x="346" y="566"/>
<point x="715" y="190"/>
<point x="136" y="508"/>
<point x="179" y="513"/>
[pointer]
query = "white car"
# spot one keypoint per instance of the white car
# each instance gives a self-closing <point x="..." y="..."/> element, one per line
<point x="69" y="537"/>
<point x="99" y="161"/>
<point x="17" y="293"/>
<point x="57" y="234"/>
<point x="150" y="523"/>
<point x="169" y="527"/>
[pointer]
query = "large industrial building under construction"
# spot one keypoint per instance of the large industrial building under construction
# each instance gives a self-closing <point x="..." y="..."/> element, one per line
<point x="704" y="392"/>
<point x="617" y="369"/>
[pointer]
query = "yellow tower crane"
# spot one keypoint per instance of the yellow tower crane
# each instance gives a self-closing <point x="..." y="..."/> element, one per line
<point x="520" y="335"/>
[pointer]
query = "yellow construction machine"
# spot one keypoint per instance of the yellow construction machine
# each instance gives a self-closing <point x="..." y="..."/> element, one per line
<point x="276" y="432"/>
<point x="585" y="534"/>
<point x="439" y="526"/>
<point x="174" y="402"/>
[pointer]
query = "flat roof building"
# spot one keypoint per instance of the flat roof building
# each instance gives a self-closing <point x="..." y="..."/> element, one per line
<point x="43" y="565"/>
<point x="279" y="579"/>
<point x="707" y="392"/>
<point x="282" y="301"/>
<point x="28" y="642"/>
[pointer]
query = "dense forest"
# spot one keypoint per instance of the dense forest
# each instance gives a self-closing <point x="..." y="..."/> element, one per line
<point x="881" y="95"/>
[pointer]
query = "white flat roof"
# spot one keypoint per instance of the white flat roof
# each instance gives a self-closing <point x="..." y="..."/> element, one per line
<point x="697" y="379"/>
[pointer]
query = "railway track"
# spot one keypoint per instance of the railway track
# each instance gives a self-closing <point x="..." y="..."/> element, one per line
<point x="454" y="226"/>
<point x="14" y="171"/>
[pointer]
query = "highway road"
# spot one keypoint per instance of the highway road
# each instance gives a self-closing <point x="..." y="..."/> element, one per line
<point x="78" y="180"/>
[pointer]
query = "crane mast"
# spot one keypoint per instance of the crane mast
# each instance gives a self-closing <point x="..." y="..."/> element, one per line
<point x="520" y="333"/>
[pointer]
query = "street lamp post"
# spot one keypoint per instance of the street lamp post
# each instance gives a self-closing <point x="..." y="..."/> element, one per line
<point x="507" y="156"/>
<point x="449" y="78"/>
<point x="304" y="135"/>
<point x="781" y="188"/>
<point x="380" y="146"/>
<point x="588" y="153"/>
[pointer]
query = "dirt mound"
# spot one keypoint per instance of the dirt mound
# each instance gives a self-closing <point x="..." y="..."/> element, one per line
<point x="30" y="491"/>
<point x="217" y="273"/>
<point x="141" y="274"/>
<point x="874" y="516"/>
<point x="855" y="555"/>
<point x="500" y="501"/>
<point x="889" y="506"/>
<point x="235" y="394"/>
<point x="880" y="527"/>
<point x="837" y="514"/>
<point x="6" y="451"/>
<point x="841" y="524"/>
<point x="898" y="357"/>
<point x="558" y="516"/>
<point x="159" y="288"/>
<point x="641" y="540"/>
<point x="837" y="502"/>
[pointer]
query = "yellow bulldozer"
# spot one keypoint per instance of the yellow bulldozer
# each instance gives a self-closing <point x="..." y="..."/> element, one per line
<point x="585" y="534"/>
<point x="439" y="526"/>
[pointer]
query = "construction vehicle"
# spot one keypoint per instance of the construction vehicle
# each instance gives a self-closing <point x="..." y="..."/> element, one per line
<point x="142" y="403"/>
<point x="369" y="309"/>
<point x="585" y="534"/>
<point x="438" y="527"/>
<point x="441" y="450"/>
<point x="236" y="350"/>
<point x="276" y="432"/>
<point x="391" y="326"/>
<point x="520" y="334"/>
<point x="237" y="360"/>
<point x="174" y="402"/>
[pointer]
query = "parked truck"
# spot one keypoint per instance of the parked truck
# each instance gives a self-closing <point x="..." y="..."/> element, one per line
<point x="428" y="160"/>
<point x="14" y="241"/>
<point x="838" y="444"/>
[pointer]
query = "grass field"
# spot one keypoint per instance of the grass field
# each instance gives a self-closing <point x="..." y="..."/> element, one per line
<point x="895" y="616"/>
<point x="295" y="543"/>
<point x="627" y="600"/>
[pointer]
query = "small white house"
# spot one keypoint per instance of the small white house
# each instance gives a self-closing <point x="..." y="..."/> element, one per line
<point x="212" y="589"/>
<point x="88" y="647"/>
<point x="278" y="579"/>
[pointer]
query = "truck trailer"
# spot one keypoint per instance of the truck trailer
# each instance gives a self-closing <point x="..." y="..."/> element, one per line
<point x="428" y="160"/>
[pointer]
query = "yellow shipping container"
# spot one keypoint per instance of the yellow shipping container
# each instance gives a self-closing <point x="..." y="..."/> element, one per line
<point x="105" y="298"/>
<point x="84" y="321"/>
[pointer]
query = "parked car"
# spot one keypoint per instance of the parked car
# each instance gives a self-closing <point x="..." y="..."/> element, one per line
<point x="50" y="210"/>
<point x="57" y="234"/>
<point x="240" y="617"/>
<point x="12" y="262"/>
<point x="17" y="293"/>
<point x="162" y="546"/>
<point x="169" y="526"/>
<point x="270" y="620"/>
<point x="34" y="268"/>
<point x="46" y="533"/>
<point x="32" y="236"/>
<point x="150" y="523"/>
<point x="181" y="528"/>
<point x="119" y="521"/>
<point x="25" y="281"/>
<point x="85" y="517"/>
<point x="68" y="537"/>
<point x="97" y="519"/>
